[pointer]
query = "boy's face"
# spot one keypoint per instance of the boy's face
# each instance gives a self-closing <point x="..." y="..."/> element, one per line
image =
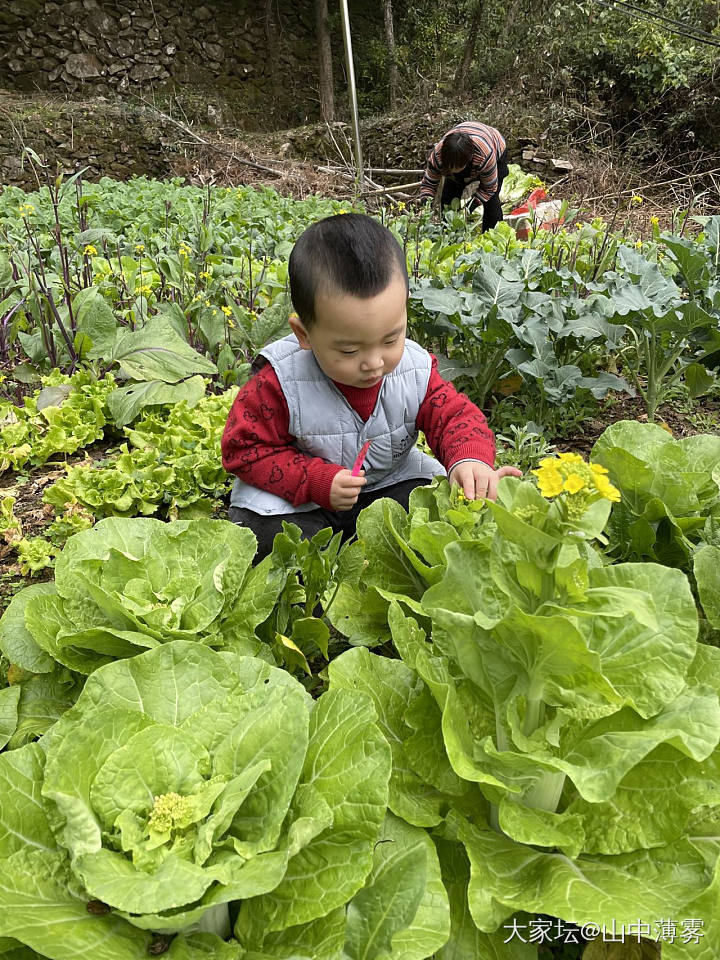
<point x="357" y="340"/>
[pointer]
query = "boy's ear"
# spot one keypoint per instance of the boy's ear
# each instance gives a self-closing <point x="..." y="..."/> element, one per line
<point x="300" y="332"/>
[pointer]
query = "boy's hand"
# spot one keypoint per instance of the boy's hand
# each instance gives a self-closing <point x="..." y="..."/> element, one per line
<point x="478" y="480"/>
<point x="345" y="490"/>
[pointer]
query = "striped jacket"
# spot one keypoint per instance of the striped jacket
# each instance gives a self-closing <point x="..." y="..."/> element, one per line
<point x="488" y="144"/>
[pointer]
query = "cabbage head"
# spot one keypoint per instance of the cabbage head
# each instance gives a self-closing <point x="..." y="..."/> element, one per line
<point x="181" y="780"/>
<point x="129" y="584"/>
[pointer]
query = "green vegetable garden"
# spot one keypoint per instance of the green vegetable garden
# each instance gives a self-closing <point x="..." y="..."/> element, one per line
<point x="471" y="724"/>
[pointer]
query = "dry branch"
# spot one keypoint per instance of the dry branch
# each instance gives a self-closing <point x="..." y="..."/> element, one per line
<point x="333" y="168"/>
<point x="211" y="145"/>
<point x="400" y="186"/>
<point x="683" y="178"/>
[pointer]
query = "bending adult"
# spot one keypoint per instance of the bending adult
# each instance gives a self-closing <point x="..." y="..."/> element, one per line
<point x="470" y="151"/>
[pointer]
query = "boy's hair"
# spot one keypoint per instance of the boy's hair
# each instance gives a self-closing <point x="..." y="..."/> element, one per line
<point x="456" y="151"/>
<point x="347" y="253"/>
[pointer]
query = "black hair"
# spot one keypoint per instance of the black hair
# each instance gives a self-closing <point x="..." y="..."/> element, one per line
<point x="349" y="253"/>
<point x="456" y="151"/>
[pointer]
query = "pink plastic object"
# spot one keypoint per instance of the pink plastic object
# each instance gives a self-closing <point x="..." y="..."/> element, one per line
<point x="357" y="466"/>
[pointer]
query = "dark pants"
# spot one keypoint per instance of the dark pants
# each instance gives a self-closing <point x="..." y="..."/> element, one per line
<point x="312" y="521"/>
<point x="492" y="210"/>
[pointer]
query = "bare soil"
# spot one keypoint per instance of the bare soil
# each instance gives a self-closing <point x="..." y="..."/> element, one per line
<point x="703" y="418"/>
<point x="34" y="515"/>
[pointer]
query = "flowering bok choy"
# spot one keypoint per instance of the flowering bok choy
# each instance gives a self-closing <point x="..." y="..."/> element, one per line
<point x="129" y="584"/>
<point x="579" y="716"/>
<point x="181" y="780"/>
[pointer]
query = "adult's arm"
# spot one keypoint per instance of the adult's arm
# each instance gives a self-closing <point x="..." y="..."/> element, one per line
<point x="433" y="173"/>
<point x="488" y="181"/>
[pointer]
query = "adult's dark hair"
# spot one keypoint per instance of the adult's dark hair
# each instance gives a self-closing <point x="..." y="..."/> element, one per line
<point x="456" y="151"/>
<point x="347" y="253"/>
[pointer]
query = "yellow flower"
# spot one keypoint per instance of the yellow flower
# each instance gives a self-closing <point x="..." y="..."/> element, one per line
<point x="549" y="480"/>
<point x="206" y="274"/>
<point x="574" y="483"/>
<point x="607" y="490"/>
<point x="89" y="250"/>
<point x="227" y="311"/>
<point x="184" y="250"/>
<point x="551" y="484"/>
<point x="636" y="200"/>
<point x="654" y="221"/>
<point x="207" y="303"/>
<point x="139" y="247"/>
<point x="26" y="209"/>
<point x="569" y="473"/>
<point x="638" y="244"/>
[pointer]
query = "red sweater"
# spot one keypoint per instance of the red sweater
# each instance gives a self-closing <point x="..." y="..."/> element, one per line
<point x="257" y="447"/>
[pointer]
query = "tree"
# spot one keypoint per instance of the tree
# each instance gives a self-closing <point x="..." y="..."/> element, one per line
<point x="271" y="40"/>
<point x="393" y="82"/>
<point x="510" y="18"/>
<point x="325" y="70"/>
<point x="462" y="71"/>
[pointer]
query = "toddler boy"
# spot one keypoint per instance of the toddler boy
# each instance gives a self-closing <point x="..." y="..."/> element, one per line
<point x="347" y="374"/>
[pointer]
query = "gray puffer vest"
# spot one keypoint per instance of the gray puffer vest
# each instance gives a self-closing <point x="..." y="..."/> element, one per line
<point x="325" y="425"/>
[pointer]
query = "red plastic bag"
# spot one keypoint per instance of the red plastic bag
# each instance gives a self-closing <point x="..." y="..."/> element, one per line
<point x="532" y="201"/>
<point x="537" y="210"/>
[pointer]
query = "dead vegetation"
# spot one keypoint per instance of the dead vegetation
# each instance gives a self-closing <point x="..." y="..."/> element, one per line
<point x="602" y="182"/>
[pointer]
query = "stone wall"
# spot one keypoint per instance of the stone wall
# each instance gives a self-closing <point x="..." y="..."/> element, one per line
<point x="257" y="59"/>
<point x="79" y="80"/>
<point x="100" y="137"/>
